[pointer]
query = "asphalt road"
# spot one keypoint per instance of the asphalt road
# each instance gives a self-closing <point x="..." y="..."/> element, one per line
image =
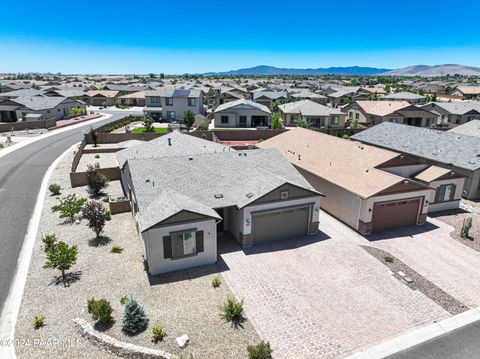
<point x="21" y="174"/>
<point x="463" y="343"/>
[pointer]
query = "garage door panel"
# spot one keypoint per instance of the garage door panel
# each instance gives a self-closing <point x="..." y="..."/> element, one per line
<point x="280" y="225"/>
<point x="395" y="214"/>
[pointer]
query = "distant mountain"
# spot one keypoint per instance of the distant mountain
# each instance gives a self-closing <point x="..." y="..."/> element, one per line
<point x="271" y="70"/>
<point x="437" y="70"/>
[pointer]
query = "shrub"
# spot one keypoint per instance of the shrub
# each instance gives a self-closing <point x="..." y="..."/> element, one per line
<point x="116" y="249"/>
<point x="232" y="310"/>
<point x="38" y="322"/>
<point x="204" y="125"/>
<point x="467" y="224"/>
<point x="101" y="310"/>
<point x="260" y="351"/>
<point x="123" y="299"/>
<point x="134" y="319"/>
<point x="95" y="181"/>
<point x="158" y="333"/>
<point x="388" y="259"/>
<point x="97" y="156"/>
<point x="148" y="124"/>
<point x="216" y="281"/>
<point x="61" y="256"/>
<point x="69" y="206"/>
<point x="49" y="241"/>
<point x="108" y="214"/>
<point x="54" y="189"/>
<point x="94" y="212"/>
<point x="94" y="135"/>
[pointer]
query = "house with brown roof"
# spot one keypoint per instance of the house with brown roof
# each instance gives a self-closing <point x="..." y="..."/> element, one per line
<point x="100" y="97"/>
<point x="467" y="92"/>
<point x="368" y="188"/>
<point x="369" y="113"/>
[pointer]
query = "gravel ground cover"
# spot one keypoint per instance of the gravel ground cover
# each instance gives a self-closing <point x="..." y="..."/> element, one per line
<point x="420" y="283"/>
<point x="105" y="160"/>
<point x="183" y="302"/>
<point x="455" y="219"/>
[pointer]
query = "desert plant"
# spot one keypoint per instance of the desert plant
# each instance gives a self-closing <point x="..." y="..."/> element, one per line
<point x="38" y="322"/>
<point x="123" y="299"/>
<point x="216" y="281"/>
<point x="134" y="319"/>
<point x="101" y="310"/>
<point x="388" y="259"/>
<point x="261" y="350"/>
<point x="69" y="206"/>
<point x="95" y="181"/>
<point x="61" y="256"/>
<point x="158" y="333"/>
<point x="94" y="136"/>
<point x="94" y="212"/>
<point x="54" y="189"/>
<point x="116" y="249"/>
<point x="49" y="241"/>
<point x="467" y="224"/>
<point x="232" y="310"/>
<point x="97" y="156"/>
<point x="188" y="119"/>
<point x="108" y="215"/>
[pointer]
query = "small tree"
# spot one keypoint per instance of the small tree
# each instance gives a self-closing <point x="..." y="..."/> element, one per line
<point x="274" y="106"/>
<point x="95" y="181"/>
<point x="69" y="206"/>
<point x="61" y="256"/>
<point x="94" y="212"/>
<point x="188" y="119"/>
<point x="302" y="122"/>
<point x="276" y="121"/>
<point x="134" y="319"/>
<point x="94" y="136"/>
<point x="148" y="124"/>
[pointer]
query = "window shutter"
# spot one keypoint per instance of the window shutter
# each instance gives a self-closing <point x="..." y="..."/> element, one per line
<point x="167" y="247"/>
<point x="452" y="193"/>
<point x="199" y="239"/>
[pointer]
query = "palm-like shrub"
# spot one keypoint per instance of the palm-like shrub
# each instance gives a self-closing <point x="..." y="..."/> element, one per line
<point x="232" y="310"/>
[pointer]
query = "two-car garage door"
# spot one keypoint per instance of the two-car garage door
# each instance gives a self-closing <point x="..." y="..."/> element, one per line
<point x="280" y="224"/>
<point x="395" y="214"/>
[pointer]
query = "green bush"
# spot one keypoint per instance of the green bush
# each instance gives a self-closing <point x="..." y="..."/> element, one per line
<point x="107" y="215"/>
<point x="116" y="249"/>
<point x="232" y="310"/>
<point x="38" y="322"/>
<point x="97" y="156"/>
<point x="49" y="241"/>
<point x="101" y="310"/>
<point x="216" y="281"/>
<point x="158" y="333"/>
<point x="54" y="189"/>
<point x="260" y="351"/>
<point x="388" y="259"/>
<point x="123" y="299"/>
<point x="134" y="319"/>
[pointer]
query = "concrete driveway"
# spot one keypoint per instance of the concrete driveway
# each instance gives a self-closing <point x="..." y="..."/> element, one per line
<point x="322" y="297"/>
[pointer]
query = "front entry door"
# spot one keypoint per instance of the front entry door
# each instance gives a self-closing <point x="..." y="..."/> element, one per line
<point x="243" y="121"/>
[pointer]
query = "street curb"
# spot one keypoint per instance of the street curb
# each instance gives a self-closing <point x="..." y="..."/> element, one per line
<point x="22" y="144"/>
<point x="418" y="336"/>
<point x="9" y="315"/>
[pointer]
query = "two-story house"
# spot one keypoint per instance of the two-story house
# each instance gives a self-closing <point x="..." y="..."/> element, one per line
<point x="170" y="104"/>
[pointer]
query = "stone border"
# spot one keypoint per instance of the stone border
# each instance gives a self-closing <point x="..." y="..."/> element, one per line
<point x="114" y="346"/>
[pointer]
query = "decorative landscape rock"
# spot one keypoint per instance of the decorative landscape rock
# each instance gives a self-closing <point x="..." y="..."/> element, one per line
<point x="183" y="341"/>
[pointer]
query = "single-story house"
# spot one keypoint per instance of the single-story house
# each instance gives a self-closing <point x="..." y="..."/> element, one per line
<point x="369" y="113"/>
<point x="368" y="188"/>
<point x="467" y="92"/>
<point x="471" y="128"/>
<point x="316" y="115"/>
<point x="242" y="114"/>
<point x="308" y="95"/>
<point x="186" y="192"/>
<point x="267" y="97"/>
<point x="452" y="114"/>
<point x="454" y="151"/>
<point x="411" y="98"/>
<point x="100" y="97"/>
<point x="133" y="99"/>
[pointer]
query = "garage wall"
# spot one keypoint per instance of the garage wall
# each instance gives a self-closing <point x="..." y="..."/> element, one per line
<point x="154" y="247"/>
<point x="247" y="222"/>
<point x="339" y="202"/>
<point x="235" y="221"/>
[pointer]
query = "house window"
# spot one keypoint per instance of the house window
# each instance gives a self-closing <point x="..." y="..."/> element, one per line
<point x="350" y="114"/>
<point x="394" y="120"/>
<point x="335" y="120"/>
<point x="428" y="122"/>
<point x="224" y="119"/>
<point x="192" y="102"/>
<point x="284" y="195"/>
<point x="445" y="193"/>
<point x="183" y="244"/>
<point x="168" y="101"/>
<point x="295" y="119"/>
<point x="357" y="116"/>
<point x="155" y="99"/>
<point x="170" y="115"/>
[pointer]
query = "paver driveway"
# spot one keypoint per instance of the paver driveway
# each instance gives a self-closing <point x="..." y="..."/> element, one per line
<point x="322" y="297"/>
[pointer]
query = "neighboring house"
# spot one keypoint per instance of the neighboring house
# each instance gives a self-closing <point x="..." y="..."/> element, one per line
<point x="187" y="193"/>
<point x="367" y="188"/>
<point x="125" y="89"/>
<point x="266" y="98"/>
<point x="316" y="115"/>
<point x="376" y="90"/>
<point x="170" y="104"/>
<point x="369" y="113"/>
<point x="467" y="92"/>
<point x="308" y="95"/>
<point x="102" y="98"/>
<point x="342" y="97"/>
<point x="223" y="94"/>
<point x="242" y="114"/>
<point x="471" y="128"/>
<point x="450" y="150"/>
<point x="452" y="114"/>
<point x="47" y="107"/>
<point x="432" y="88"/>
<point x="409" y="97"/>
<point x="133" y="99"/>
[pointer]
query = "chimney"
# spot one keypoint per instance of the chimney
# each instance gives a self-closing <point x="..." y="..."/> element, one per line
<point x="299" y="157"/>
<point x="169" y="141"/>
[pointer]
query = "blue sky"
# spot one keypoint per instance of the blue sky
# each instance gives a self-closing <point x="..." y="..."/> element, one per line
<point x="198" y="36"/>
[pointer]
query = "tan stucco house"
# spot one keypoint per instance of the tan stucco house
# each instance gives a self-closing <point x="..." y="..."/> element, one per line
<point x="242" y="114"/>
<point x="316" y="115"/>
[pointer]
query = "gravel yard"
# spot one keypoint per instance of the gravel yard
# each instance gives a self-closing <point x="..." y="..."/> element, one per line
<point x="105" y="160"/>
<point x="183" y="302"/>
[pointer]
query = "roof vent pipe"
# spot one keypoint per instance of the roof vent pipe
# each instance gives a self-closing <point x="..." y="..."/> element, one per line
<point x="299" y="157"/>
<point x="169" y="141"/>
